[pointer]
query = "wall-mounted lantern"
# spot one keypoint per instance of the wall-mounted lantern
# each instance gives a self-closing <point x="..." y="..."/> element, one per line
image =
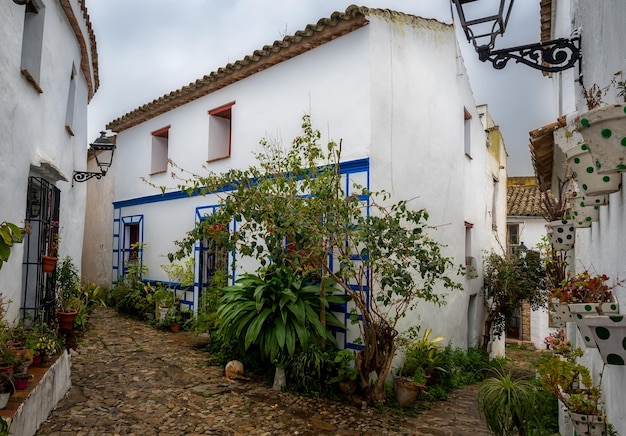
<point x="103" y="150"/>
<point x="482" y="25"/>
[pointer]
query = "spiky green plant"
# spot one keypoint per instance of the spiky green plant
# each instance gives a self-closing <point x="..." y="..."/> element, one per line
<point x="507" y="404"/>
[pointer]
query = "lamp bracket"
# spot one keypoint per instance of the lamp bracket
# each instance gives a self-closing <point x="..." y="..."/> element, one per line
<point x="550" y="56"/>
<point x="83" y="176"/>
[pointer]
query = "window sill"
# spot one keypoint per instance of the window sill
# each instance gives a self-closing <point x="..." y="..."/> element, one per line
<point x="215" y="159"/>
<point x="31" y="80"/>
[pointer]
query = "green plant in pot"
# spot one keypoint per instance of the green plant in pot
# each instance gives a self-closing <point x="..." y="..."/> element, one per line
<point x="423" y="355"/>
<point x="68" y="285"/>
<point x="347" y="372"/>
<point x="571" y="383"/>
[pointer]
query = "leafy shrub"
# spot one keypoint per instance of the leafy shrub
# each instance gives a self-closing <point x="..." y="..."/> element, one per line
<point x="276" y="310"/>
<point x="310" y="372"/>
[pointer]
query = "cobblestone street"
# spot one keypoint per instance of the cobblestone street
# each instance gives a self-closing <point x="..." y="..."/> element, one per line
<point x="129" y="379"/>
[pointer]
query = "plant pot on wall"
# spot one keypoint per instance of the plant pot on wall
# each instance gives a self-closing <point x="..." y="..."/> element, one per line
<point x="561" y="234"/>
<point x="584" y="211"/>
<point x="586" y="173"/>
<point x="580" y="312"/>
<point x="588" y="425"/>
<point x="562" y="311"/>
<point x="48" y="263"/>
<point x="604" y="131"/>
<point x="609" y="333"/>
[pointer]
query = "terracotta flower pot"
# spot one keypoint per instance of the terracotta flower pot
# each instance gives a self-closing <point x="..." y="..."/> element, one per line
<point x="48" y="263"/>
<point x="407" y="391"/>
<point x="66" y="319"/>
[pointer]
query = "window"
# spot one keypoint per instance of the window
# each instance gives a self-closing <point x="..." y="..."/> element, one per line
<point x="32" y="42"/>
<point x="494" y="205"/>
<point x="71" y="97"/>
<point x="160" y="144"/>
<point x="220" y="123"/>
<point x="467" y="132"/>
<point x="470" y="262"/>
<point x="512" y="238"/>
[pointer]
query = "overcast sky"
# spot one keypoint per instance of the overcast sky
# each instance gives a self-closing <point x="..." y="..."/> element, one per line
<point x="148" y="48"/>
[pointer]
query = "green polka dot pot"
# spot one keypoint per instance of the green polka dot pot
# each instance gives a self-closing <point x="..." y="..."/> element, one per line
<point x="609" y="333"/>
<point x="604" y="131"/>
<point x="581" y="311"/>
<point x="588" y="425"/>
<point x="562" y="312"/>
<point x="562" y="234"/>
<point x="585" y="170"/>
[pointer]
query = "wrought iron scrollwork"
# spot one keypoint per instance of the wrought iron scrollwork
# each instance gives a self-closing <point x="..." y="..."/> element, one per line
<point x="550" y="56"/>
<point x="82" y="176"/>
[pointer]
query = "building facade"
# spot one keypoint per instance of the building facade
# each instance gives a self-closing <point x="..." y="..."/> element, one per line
<point x="48" y="75"/>
<point x="593" y="82"/>
<point x="391" y="86"/>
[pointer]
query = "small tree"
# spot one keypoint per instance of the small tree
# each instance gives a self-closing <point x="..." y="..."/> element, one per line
<point x="291" y="210"/>
<point x="509" y="281"/>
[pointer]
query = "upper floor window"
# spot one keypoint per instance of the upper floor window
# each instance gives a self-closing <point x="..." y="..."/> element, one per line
<point x="32" y="42"/>
<point x="220" y="123"/>
<point x="160" y="144"/>
<point x="512" y="238"/>
<point x="467" y="132"/>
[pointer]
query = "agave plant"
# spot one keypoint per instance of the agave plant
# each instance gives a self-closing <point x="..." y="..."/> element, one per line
<point x="277" y="310"/>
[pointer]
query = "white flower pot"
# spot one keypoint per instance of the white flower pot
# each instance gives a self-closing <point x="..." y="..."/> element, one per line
<point x="561" y="234"/>
<point x="580" y="311"/>
<point x="588" y="425"/>
<point x="586" y="174"/>
<point x="562" y="311"/>
<point x="609" y="333"/>
<point x="604" y="131"/>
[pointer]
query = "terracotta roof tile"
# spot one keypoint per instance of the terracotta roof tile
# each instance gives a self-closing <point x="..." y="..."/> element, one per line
<point x="523" y="197"/>
<point x="314" y="35"/>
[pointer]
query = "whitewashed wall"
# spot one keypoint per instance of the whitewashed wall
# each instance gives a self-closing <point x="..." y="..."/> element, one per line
<point x="32" y="129"/>
<point x="599" y="248"/>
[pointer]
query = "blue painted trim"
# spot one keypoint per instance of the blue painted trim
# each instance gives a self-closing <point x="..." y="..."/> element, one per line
<point x="350" y="167"/>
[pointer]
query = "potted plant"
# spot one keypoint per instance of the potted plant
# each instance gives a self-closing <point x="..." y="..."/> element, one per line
<point x="164" y="299"/>
<point x="49" y="261"/>
<point x="9" y="234"/>
<point x="347" y="372"/>
<point x="173" y="319"/>
<point x="586" y="294"/>
<point x="181" y="274"/>
<point x="6" y="389"/>
<point x="68" y="286"/>
<point x="571" y="384"/>
<point x="560" y="229"/>
<point x="423" y="358"/>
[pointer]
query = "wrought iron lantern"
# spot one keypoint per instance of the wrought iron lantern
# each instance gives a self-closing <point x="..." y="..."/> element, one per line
<point x="102" y="150"/>
<point x="483" y="20"/>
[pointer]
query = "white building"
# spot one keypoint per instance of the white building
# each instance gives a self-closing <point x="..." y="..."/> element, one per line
<point x="598" y="248"/>
<point x="526" y="226"/>
<point x="48" y="75"/>
<point x="392" y="86"/>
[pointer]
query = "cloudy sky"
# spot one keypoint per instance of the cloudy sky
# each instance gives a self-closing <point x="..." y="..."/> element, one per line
<point x="148" y="48"/>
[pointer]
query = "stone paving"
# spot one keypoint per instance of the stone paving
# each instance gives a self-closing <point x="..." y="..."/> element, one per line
<point x="129" y="379"/>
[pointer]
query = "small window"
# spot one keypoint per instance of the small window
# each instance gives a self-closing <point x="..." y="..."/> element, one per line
<point x="494" y="205"/>
<point x="220" y="123"/>
<point x="160" y="144"/>
<point x="32" y="42"/>
<point x="467" y="132"/>
<point x="71" y="97"/>
<point x="512" y="238"/>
